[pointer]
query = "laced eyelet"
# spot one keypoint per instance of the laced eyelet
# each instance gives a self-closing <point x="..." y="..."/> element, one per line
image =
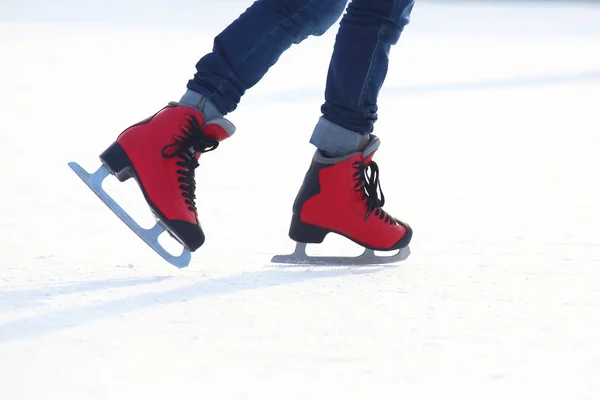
<point x="369" y="185"/>
<point x="191" y="141"/>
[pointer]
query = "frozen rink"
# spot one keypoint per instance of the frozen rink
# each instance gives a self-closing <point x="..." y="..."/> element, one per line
<point x="490" y="128"/>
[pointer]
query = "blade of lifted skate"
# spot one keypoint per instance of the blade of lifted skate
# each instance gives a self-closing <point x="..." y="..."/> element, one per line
<point x="150" y="236"/>
<point x="368" y="257"/>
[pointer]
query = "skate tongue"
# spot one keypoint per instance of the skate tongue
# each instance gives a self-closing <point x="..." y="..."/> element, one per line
<point x="193" y="153"/>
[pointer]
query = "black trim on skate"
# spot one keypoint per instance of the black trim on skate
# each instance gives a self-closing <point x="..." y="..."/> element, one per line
<point x="405" y="241"/>
<point x="117" y="161"/>
<point x="310" y="186"/>
<point x="193" y="241"/>
<point x="146" y="120"/>
<point x="303" y="232"/>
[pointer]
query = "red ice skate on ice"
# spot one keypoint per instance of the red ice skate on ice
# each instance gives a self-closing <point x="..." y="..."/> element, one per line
<point x="339" y="195"/>
<point x="161" y="154"/>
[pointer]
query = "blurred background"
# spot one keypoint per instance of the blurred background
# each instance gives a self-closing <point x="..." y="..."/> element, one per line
<point x="189" y="13"/>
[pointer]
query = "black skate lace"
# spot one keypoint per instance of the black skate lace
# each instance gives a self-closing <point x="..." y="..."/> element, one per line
<point x="369" y="184"/>
<point x="185" y="147"/>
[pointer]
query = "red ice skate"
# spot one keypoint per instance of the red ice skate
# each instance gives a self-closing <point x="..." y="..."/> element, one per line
<point x="161" y="154"/>
<point x="339" y="195"/>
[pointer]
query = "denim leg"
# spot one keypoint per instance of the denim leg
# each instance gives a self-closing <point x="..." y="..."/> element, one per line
<point x="358" y="69"/>
<point x="243" y="53"/>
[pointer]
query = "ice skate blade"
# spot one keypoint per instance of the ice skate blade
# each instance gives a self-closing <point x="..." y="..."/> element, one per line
<point x="368" y="257"/>
<point x="150" y="236"/>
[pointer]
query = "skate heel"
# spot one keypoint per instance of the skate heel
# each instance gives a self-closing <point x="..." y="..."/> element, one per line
<point x="117" y="162"/>
<point x="306" y="233"/>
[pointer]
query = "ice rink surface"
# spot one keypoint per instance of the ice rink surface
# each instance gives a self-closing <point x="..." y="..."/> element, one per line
<point x="490" y="128"/>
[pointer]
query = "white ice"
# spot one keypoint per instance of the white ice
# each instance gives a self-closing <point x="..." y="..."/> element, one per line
<point x="490" y="128"/>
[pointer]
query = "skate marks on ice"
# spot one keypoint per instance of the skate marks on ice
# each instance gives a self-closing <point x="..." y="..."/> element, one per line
<point x="60" y="320"/>
<point x="34" y="296"/>
<point x="149" y="236"/>
<point x="367" y="258"/>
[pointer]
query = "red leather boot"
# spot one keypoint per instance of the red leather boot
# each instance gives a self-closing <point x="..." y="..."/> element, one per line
<point x="340" y="195"/>
<point x="161" y="154"/>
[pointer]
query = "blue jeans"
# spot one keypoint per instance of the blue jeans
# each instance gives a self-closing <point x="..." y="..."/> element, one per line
<point x="250" y="45"/>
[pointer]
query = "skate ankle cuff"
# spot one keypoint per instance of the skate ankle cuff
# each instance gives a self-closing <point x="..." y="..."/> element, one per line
<point x="336" y="140"/>
<point x="200" y="103"/>
<point x="225" y="124"/>
<point x="324" y="157"/>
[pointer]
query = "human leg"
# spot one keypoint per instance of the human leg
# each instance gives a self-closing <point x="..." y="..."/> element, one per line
<point x="244" y="52"/>
<point x="357" y="71"/>
<point x="341" y="191"/>
<point x="162" y="152"/>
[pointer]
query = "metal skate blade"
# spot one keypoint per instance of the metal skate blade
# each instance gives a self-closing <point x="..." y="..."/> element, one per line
<point x="150" y="236"/>
<point x="368" y="257"/>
